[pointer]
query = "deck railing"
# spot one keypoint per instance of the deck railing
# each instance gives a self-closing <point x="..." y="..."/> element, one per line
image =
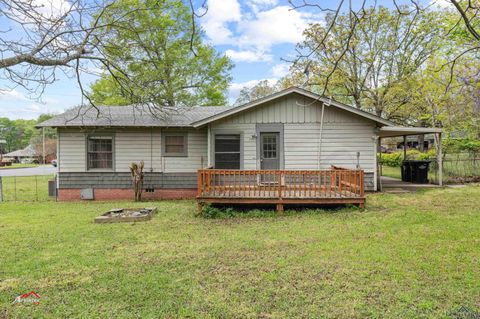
<point x="281" y="184"/>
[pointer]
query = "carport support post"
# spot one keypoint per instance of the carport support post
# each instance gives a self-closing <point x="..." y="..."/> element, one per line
<point x="404" y="147"/>
<point x="440" y="159"/>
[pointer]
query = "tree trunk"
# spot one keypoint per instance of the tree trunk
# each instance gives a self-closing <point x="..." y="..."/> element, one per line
<point x="136" y="171"/>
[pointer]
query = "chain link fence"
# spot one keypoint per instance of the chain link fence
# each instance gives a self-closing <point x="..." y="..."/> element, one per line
<point x="25" y="188"/>
<point x="457" y="168"/>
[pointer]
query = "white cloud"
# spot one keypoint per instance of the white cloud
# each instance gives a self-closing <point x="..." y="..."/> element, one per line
<point x="257" y="5"/>
<point x="219" y="14"/>
<point x="17" y="105"/>
<point x="254" y="32"/>
<point x="275" y="26"/>
<point x="280" y="70"/>
<point x="248" y="56"/>
<point x="12" y="95"/>
<point x="51" y="8"/>
<point x="444" y="4"/>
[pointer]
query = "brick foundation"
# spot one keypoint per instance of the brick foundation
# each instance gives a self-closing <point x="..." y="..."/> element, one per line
<point x="73" y="194"/>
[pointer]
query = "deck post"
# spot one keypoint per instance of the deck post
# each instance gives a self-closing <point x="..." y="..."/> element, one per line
<point x="279" y="209"/>
<point x="199" y="208"/>
<point x="199" y="183"/>
<point x="440" y="159"/>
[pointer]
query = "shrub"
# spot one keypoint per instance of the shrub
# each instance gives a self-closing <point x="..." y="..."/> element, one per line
<point x="392" y="159"/>
<point x="211" y="212"/>
<point x="395" y="159"/>
<point x="431" y="153"/>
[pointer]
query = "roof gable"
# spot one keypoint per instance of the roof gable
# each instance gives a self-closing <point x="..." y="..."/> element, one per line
<point x="278" y="95"/>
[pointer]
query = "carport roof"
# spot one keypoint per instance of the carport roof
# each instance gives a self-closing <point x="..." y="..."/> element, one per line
<point x="394" y="131"/>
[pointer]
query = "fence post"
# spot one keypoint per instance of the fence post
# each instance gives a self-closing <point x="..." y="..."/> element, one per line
<point x="1" y="189"/>
<point x="14" y="188"/>
<point x="36" y="188"/>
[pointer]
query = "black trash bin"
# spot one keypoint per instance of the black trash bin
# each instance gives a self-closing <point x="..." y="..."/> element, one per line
<point x="419" y="171"/>
<point x="406" y="171"/>
<point x="415" y="171"/>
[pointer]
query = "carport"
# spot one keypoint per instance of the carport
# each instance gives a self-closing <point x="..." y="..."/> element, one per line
<point x="397" y="131"/>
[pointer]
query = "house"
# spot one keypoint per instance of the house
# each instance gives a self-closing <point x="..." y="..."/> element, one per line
<point x="28" y="153"/>
<point x="294" y="131"/>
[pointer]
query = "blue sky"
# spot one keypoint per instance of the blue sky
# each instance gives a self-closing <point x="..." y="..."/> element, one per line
<point x="255" y="34"/>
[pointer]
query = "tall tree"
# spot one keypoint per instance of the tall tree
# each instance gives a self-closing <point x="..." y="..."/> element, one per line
<point x="367" y="59"/>
<point x="454" y="105"/>
<point x="259" y="90"/>
<point x="154" y="58"/>
<point x="42" y="38"/>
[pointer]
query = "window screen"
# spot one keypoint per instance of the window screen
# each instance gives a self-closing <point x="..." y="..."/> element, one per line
<point x="100" y="152"/>
<point x="175" y="144"/>
<point x="227" y="151"/>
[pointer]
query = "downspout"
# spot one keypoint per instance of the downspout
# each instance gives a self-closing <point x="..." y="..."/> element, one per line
<point x="162" y="159"/>
<point x="209" y="147"/>
<point x="151" y="149"/>
<point x="320" y="135"/>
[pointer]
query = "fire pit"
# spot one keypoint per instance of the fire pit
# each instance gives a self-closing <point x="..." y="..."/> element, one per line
<point x="121" y="215"/>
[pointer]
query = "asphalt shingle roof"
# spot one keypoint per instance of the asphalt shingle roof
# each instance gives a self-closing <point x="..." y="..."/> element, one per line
<point x="133" y="116"/>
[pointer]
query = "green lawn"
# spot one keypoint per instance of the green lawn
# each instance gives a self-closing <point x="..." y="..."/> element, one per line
<point x="391" y="171"/>
<point x="405" y="256"/>
<point x="25" y="188"/>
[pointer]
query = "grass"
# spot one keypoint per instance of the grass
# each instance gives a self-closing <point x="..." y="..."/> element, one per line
<point x="25" y="188"/>
<point x="19" y="165"/>
<point x="405" y="256"/>
<point x="391" y="171"/>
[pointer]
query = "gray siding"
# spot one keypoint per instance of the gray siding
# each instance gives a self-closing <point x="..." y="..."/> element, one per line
<point x="134" y="145"/>
<point x="344" y="134"/>
<point x="71" y="151"/>
<point x="197" y="154"/>
<point x="123" y="180"/>
<point x="369" y="182"/>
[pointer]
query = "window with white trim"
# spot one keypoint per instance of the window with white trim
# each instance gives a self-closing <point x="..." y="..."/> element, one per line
<point x="100" y="152"/>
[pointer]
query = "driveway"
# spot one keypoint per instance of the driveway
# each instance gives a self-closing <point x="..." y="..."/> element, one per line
<point x="39" y="170"/>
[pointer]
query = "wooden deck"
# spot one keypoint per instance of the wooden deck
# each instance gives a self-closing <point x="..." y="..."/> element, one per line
<point x="280" y="187"/>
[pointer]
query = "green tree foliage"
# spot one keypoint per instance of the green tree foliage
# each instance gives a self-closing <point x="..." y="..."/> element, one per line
<point x="259" y="90"/>
<point x="161" y="61"/>
<point x="446" y="97"/>
<point x="16" y="133"/>
<point x="367" y="61"/>
<point x="20" y="133"/>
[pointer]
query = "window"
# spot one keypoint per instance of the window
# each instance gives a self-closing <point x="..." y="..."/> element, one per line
<point x="227" y="151"/>
<point x="175" y="144"/>
<point x="100" y="152"/>
<point x="269" y="146"/>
